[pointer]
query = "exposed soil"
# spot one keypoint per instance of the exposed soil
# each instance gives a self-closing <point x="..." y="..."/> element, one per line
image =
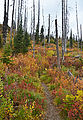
<point x="52" y="112"/>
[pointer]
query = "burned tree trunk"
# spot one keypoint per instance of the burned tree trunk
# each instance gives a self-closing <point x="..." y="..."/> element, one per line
<point x="77" y="25"/>
<point x="81" y="37"/>
<point x="33" y="28"/>
<point x="12" y="23"/>
<point x="49" y="29"/>
<point x="57" y="48"/>
<point x="63" y="36"/>
<point x="5" y="22"/>
<point x="38" y="17"/>
<point x="25" y="20"/>
<point x="18" y="23"/>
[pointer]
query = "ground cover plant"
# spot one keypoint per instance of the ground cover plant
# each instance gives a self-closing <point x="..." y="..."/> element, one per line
<point x="22" y="95"/>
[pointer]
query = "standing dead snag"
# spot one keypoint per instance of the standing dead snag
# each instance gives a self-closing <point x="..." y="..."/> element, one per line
<point x="57" y="48"/>
<point x="33" y="28"/>
<point x="63" y="34"/>
<point x="48" y="30"/>
<point x="38" y="17"/>
<point x="31" y="23"/>
<point x="25" y="19"/>
<point x="43" y="27"/>
<point x="12" y="22"/>
<point x="5" y="22"/>
<point x="66" y="24"/>
<point x="81" y="37"/>
<point x="77" y="25"/>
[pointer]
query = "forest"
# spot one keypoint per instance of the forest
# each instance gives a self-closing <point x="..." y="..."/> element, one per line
<point x="41" y="74"/>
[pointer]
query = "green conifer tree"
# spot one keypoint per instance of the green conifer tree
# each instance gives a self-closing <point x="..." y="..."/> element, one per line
<point x="37" y="35"/>
<point x="42" y="34"/>
<point x="71" y="41"/>
<point x="26" y="42"/>
<point x="18" y="40"/>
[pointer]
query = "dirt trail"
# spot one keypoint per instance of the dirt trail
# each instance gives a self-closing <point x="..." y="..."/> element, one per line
<point x="52" y="113"/>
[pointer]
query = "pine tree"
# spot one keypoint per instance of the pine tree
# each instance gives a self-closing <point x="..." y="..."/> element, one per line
<point x="37" y="35"/>
<point x="7" y="52"/>
<point x="18" y="40"/>
<point x="71" y="42"/>
<point x="42" y="34"/>
<point x="26" y="42"/>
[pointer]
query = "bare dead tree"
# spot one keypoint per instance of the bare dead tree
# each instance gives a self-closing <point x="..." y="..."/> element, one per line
<point x="12" y="23"/>
<point x="57" y="48"/>
<point x="33" y="28"/>
<point x="64" y="20"/>
<point x="38" y="15"/>
<point x="7" y="12"/>
<point x="21" y="8"/>
<point x="66" y="23"/>
<point x="15" y="20"/>
<point x="31" y="23"/>
<point x="77" y="25"/>
<point x="25" y="19"/>
<point x="49" y="29"/>
<point x="18" y="14"/>
<point x="43" y="27"/>
<point x="81" y="36"/>
<point x="5" y="22"/>
<point x="63" y="35"/>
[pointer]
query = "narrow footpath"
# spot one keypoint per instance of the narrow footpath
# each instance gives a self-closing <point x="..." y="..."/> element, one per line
<point x="52" y="113"/>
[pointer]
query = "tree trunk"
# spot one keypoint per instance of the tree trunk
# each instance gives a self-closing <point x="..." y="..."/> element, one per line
<point x="49" y="29"/>
<point x="12" y="23"/>
<point x="38" y="16"/>
<point x="77" y="25"/>
<point x="5" y="22"/>
<point x="62" y="30"/>
<point x="81" y="37"/>
<point x="18" y="23"/>
<point x="33" y="28"/>
<point x="25" y="20"/>
<point x="57" y="48"/>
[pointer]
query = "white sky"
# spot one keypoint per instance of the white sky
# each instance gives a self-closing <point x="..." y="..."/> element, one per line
<point x="52" y="7"/>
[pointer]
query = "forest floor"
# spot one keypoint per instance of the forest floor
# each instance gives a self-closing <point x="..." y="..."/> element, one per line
<point x="35" y="89"/>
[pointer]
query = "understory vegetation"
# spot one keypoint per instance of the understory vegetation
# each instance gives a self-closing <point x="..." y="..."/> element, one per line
<point x="21" y="93"/>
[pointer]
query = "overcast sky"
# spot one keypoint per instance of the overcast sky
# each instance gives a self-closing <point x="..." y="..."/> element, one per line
<point x="52" y="7"/>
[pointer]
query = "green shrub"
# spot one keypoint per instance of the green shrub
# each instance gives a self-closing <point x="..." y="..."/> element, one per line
<point x="50" y="53"/>
<point x="45" y="78"/>
<point x="64" y="68"/>
<point x="57" y="101"/>
<point x="52" y="87"/>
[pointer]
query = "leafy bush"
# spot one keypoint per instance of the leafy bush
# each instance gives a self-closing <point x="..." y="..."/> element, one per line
<point x="52" y="87"/>
<point x="45" y="78"/>
<point x="73" y="105"/>
<point x="50" y="53"/>
<point x="57" y="101"/>
<point x="64" y="68"/>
